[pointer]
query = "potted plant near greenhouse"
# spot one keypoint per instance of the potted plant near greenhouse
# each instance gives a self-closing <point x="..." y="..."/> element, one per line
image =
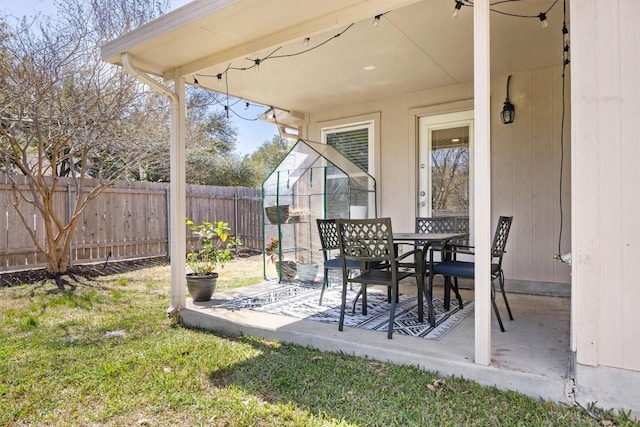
<point x="212" y="253"/>
<point x="287" y="268"/>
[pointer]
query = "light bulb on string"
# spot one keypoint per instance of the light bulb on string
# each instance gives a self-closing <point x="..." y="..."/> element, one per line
<point x="305" y="43"/>
<point x="376" y="21"/>
<point x="257" y="65"/>
<point x="565" y="33"/>
<point x="543" y="19"/>
<point x="565" y="48"/>
<point x="456" y="10"/>
<point x="219" y="76"/>
<point x="246" y="106"/>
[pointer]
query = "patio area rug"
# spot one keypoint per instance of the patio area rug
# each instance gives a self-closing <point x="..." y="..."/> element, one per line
<point x="300" y="301"/>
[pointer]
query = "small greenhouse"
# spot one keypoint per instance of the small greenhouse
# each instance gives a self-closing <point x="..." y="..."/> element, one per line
<point x="313" y="181"/>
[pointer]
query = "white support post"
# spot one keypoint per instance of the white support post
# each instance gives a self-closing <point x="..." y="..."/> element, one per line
<point x="178" y="208"/>
<point x="177" y="187"/>
<point x="482" y="179"/>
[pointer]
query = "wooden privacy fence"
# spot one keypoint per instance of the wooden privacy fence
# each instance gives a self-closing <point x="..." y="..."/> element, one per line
<point x="128" y="220"/>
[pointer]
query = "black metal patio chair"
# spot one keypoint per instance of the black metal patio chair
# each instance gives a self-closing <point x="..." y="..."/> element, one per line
<point x="369" y="242"/>
<point x="328" y="231"/>
<point x="451" y="266"/>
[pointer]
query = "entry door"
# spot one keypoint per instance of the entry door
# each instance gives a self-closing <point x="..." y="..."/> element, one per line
<point x="446" y="166"/>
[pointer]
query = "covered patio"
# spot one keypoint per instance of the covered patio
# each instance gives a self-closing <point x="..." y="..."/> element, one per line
<point x="392" y="69"/>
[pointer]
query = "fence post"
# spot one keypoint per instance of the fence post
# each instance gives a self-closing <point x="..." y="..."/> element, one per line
<point x="167" y="195"/>
<point x="235" y="214"/>
<point x="69" y="203"/>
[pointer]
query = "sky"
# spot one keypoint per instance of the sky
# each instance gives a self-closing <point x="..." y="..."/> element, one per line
<point x="251" y="133"/>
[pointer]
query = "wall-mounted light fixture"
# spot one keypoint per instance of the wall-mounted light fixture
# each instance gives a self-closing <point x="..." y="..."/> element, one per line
<point x="508" y="110"/>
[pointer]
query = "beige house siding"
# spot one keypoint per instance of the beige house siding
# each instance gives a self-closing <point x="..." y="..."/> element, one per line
<point x="606" y="189"/>
<point x="525" y="163"/>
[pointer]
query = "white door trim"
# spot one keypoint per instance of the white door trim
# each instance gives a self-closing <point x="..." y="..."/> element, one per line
<point x="427" y="124"/>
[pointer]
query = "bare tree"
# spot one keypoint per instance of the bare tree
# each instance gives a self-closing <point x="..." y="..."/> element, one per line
<point x="450" y="179"/>
<point x="65" y="113"/>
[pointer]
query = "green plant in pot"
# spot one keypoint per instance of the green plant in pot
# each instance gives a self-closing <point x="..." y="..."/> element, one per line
<point x="212" y="253"/>
<point x="286" y="269"/>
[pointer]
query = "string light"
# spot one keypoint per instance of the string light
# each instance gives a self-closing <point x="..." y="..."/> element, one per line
<point x="456" y="10"/>
<point x="258" y="61"/>
<point x="543" y="19"/>
<point x="565" y="62"/>
<point x="256" y="65"/>
<point x="270" y="113"/>
<point x="565" y="42"/>
<point x="542" y="16"/>
<point x="376" y="22"/>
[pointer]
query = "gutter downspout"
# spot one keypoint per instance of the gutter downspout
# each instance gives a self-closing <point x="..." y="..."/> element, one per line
<point x="177" y="187"/>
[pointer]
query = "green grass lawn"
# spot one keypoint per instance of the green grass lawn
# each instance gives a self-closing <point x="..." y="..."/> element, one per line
<point x="104" y="353"/>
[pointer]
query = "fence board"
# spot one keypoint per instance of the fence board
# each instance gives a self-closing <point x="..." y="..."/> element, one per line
<point x="128" y="220"/>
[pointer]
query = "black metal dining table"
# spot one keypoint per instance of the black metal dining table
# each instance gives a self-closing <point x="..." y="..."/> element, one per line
<point x="428" y="239"/>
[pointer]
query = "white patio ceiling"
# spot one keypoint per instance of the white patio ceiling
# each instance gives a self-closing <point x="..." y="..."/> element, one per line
<point x="416" y="46"/>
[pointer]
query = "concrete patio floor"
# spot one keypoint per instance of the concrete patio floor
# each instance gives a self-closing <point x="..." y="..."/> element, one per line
<point x="531" y="357"/>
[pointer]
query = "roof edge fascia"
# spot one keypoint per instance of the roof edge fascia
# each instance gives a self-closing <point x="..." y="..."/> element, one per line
<point x="173" y="20"/>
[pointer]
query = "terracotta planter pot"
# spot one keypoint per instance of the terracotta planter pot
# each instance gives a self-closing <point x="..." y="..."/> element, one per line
<point x="201" y="287"/>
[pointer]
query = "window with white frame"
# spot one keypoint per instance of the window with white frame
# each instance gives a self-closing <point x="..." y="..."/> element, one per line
<point x="355" y="142"/>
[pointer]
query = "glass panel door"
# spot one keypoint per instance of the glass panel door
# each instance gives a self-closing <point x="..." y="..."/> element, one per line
<point x="446" y="167"/>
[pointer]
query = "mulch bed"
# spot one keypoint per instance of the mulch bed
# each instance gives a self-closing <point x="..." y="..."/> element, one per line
<point x="86" y="271"/>
<point x="89" y="271"/>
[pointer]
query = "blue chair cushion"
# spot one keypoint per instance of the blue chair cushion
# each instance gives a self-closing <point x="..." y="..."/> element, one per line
<point x="460" y="268"/>
<point x="336" y="263"/>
